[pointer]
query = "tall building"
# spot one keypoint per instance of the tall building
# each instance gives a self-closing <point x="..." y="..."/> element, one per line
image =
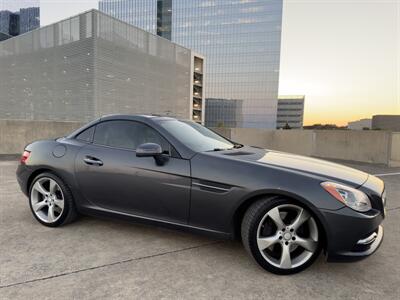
<point x="5" y="21"/>
<point x="240" y="39"/>
<point x="92" y="64"/>
<point x="223" y="112"/>
<point x="19" y="22"/>
<point x="29" y="19"/>
<point x="290" y="112"/>
<point x="14" y="28"/>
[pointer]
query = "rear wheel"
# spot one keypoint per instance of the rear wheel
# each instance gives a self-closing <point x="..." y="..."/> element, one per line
<point x="51" y="201"/>
<point x="282" y="236"/>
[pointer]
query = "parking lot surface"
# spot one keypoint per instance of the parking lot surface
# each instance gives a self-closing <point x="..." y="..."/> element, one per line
<point x="97" y="258"/>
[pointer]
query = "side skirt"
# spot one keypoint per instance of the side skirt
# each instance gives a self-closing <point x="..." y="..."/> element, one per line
<point x="109" y="214"/>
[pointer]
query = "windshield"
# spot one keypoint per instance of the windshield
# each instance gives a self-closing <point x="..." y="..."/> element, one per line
<point x="195" y="136"/>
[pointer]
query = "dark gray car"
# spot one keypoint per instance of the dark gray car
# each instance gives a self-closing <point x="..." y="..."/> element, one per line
<point x="285" y="208"/>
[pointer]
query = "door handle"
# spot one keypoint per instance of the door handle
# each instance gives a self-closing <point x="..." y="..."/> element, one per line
<point x="93" y="161"/>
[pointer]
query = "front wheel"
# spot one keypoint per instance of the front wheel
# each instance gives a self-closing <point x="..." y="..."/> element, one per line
<point x="282" y="236"/>
<point x="51" y="201"/>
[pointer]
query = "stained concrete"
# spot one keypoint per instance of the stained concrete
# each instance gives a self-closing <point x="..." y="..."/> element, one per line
<point x="106" y="259"/>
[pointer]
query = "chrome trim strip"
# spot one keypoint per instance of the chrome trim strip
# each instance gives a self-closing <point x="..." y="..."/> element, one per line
<point x="210" y="186"/>
<point x="368" y="240"/>
<point x="374" y="246"/>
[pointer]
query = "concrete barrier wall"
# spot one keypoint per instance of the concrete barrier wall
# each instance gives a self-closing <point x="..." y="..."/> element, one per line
<point x="15" y="134"/>
<point x="294" y="141"/>
<point x="364" y="146"/>
<point x="395" y="150"/>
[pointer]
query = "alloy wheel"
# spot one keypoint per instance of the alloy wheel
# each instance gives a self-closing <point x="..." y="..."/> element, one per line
<point x="287" y="236"/>
<point x="47" y="200"/>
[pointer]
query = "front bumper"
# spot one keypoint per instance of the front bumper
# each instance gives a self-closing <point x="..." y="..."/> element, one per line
<point x="363" y="248"/>
<point x="351" y="235"/>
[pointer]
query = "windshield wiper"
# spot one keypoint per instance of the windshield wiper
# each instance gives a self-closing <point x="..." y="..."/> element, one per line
<point x="219" y="149"/>
<point x="237" y="146"/>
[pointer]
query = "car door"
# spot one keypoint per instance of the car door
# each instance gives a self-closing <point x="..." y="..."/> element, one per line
<point x="110" y="175"/>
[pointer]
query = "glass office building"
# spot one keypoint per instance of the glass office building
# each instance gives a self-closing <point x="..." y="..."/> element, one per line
<point x="29" y="19"/>
<point x="18" y="17"/>
<point x="140" y="13"/>
<point x="240" y="38"/>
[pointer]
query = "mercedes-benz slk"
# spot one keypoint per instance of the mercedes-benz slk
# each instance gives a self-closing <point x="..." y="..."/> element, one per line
<point x="285" y="208"/>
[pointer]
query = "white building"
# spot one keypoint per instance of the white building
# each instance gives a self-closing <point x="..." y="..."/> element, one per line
<point x="290" y="112"/>
<point x="93" y="64"/>
<point x="360" y="124"/>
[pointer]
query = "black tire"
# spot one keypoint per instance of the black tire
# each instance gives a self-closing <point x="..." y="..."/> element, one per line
<point x="249" y="230"/>
<point x="69" y="213"/>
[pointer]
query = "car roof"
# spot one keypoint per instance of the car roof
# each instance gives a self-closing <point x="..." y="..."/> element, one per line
<point x="136" y="117"/>
<point x="153" y="120"/>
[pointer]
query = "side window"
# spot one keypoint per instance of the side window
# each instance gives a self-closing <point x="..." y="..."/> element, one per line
<point x="86" y="135"/>
<point x="127" y="135"/>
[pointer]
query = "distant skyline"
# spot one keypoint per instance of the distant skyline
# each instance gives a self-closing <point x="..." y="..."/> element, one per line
<point x="343" y="55"/>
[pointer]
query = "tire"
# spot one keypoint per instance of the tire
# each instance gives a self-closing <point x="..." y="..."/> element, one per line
<point x="281" y="235"/>
<point x="51" y="201"/>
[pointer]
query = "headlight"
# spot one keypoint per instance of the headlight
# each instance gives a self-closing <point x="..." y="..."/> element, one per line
<point x="351" y="197"/>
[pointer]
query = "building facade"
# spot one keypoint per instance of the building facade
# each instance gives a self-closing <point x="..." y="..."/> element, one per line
<point x="386" y="122"/>
<point x="5" y="21"/>
<point x="241" y="40"/>
<point x="14" y="26"/>
<point x="360" y="124"/>
<point x="92" y="64"/>
<point x="29" y="19"/>
<point x="223" y="112"/>
<point x="290" y="112"/>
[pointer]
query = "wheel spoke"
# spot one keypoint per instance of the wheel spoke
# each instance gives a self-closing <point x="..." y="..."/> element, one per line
<point x="39" y="205"/>
<point x="286" y="261"/>
<point x="50" y="215"/>
<point x="301" y="218"/>
<point x="53" y="186"/>
<point x="39" y="187"/>
<point x="59" y="203"/>
<point x="308" y="244"/>
<point x="266" y="242"/>
<point x="276" y="217"/>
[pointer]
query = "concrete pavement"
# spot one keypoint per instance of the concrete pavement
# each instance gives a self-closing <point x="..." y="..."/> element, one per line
<point x="96" y="258"/>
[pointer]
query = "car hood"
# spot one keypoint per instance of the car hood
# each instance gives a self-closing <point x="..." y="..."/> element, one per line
<point x="300" y="163"/>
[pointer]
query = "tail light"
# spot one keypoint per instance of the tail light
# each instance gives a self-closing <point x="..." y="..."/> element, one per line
<point x="25" y="156"/>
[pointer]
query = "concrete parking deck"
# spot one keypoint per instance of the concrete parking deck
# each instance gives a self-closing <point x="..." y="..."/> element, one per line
<point x="96" y="258"/>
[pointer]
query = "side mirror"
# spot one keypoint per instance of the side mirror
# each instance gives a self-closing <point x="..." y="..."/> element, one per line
<point x="151" y="150"/>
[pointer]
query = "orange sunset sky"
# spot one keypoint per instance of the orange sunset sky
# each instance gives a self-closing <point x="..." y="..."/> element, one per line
<point x="344" y="56"/>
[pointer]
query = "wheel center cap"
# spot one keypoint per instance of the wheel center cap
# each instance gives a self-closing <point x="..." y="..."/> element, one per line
<point x="287" y="236"/>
